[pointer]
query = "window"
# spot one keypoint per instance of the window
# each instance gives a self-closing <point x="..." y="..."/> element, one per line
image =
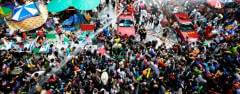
<point x="186" y="27"/>
<point x="125" y="23"/>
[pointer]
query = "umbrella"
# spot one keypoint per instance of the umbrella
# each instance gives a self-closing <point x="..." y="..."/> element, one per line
<point x="5" y="11"/>
<point x="25" y="11"/>
<point x="85" y="4"/>
<point x="30" y="23"/>
<point x="58" y="5"/>
<point x="215" y="3"/>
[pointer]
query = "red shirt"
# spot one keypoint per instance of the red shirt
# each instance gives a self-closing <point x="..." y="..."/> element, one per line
<point x="40" y="33"/>
<point x="208" y="30"/>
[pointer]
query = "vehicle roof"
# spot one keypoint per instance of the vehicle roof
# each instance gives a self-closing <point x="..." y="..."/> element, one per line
<point x="183" y="18"/>
<point x="126" y="16"/>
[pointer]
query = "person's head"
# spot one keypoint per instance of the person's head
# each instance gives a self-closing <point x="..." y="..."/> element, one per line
<point x="62" y="49"/>
<point x="51" y="45"/>
<point x="36" y="75"/>
<point x="52" y="60"/>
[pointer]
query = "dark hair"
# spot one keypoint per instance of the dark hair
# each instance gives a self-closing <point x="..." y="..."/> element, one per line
<point x="52" y="60"/>
<point x="36" y="75"/>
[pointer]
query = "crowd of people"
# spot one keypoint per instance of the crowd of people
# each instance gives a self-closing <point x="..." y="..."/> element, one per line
<point x="128" y="65"/>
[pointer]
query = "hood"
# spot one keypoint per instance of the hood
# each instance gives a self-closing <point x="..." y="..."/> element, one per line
<point x="191" y="35"/>
<point x="129" y="31"/>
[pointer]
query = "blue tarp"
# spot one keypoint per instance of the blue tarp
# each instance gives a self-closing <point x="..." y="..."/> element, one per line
<point x="69" y="23"/>
<point x="75" y="19"/>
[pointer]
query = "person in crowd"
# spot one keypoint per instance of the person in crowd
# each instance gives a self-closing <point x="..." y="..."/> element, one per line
<point x="125" y="65"/>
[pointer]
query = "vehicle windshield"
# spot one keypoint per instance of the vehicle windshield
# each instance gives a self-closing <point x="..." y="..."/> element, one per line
<point x="186" y="27"/>
<point x="125" y="23"/>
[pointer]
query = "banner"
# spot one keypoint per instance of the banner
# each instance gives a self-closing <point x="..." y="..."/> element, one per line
<point x="87" y="27"/>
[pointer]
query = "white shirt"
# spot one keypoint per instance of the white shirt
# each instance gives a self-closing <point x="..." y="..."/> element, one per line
<point x="56" y="20"/>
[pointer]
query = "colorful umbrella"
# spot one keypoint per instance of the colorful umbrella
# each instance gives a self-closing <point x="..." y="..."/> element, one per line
<point x="58" y="5"/>
<point x="30" y="23"/>
<point x="5" y="11"/>
<point x="215" y="3"/>
<point x="85" y="4"/>
<point x="25" y="11"/>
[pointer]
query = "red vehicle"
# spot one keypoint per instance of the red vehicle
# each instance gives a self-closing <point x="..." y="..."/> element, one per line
<point x="126" y="25"/>
<point x="185" y="30"/>
<point x="237" y="1"/>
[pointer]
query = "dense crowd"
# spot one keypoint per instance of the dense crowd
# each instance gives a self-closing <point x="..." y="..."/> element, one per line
<point x="128" y="65"/>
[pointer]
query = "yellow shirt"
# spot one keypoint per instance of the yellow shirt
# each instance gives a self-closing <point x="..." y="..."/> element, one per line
<point x="88" y="17"/>
<point x="117" y="40"/>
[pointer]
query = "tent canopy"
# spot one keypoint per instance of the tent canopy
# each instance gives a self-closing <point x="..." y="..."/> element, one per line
<point x="85" y="4"/>
<point x="58" y="5"/>
<point x="25" y="11"/>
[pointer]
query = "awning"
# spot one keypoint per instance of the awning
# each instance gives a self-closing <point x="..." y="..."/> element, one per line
<point x="58" y="5"/>
<point x="85" y="4"/>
